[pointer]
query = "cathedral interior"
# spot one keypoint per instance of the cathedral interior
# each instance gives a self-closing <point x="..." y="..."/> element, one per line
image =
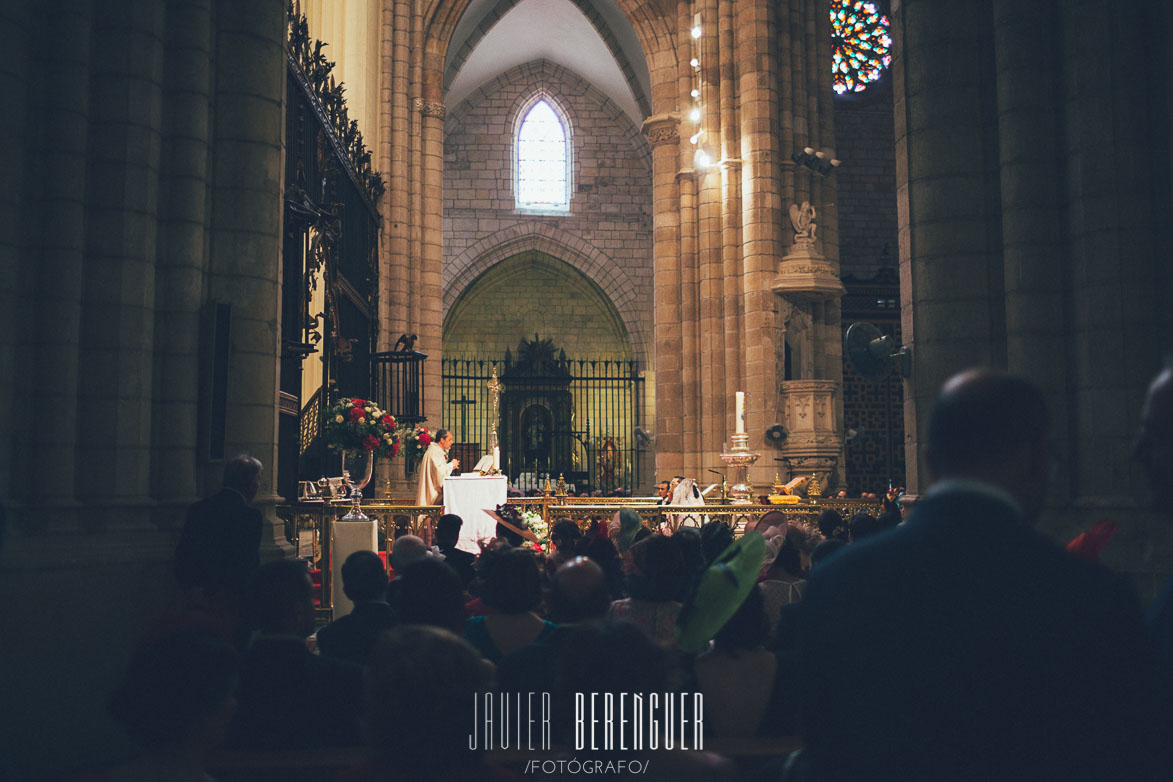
<point x="218" y="216"/>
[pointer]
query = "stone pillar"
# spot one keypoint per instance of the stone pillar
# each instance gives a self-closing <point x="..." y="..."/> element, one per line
<point x="1110" y="133"/>
<point x="688" y="278"/>
<point x="396" y="166"/>
<point x="16" y="19"/>
<point x="709" y="256"/>
<point x="761" y="211"/>
<point x="431" y="258"/>
<point x="663" y="136"/>
<point x="950" y="266"/>
<point x="1032" y="252"/>
<point x="117" y="318"/>
<point x="734" y="345"/>
<point x="245" y="266"/>
<point x="62" y="235"/>
<point x="183" y="249"/>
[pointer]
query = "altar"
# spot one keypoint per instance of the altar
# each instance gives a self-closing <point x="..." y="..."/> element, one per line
<point x="469" y="496"/>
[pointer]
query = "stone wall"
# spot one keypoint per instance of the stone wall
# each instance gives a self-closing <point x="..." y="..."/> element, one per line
<point x="607" y="233"/>
<point x="867" y="180"/>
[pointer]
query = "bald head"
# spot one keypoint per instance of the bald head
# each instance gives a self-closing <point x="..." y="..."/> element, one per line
<point x="408" y="549"/>
<point x="990" y="425"/>
<point x="244" y="475"/>
<point x="1153" y="449"/>
<point x="578" y="592"/>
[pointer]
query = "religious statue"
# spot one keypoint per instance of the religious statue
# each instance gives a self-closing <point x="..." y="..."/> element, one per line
<point x="803" y="220"/>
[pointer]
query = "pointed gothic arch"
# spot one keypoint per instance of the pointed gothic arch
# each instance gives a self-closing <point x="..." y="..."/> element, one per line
<point x="465" y="268"/>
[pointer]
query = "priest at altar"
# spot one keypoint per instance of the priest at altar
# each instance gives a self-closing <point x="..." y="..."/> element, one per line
<point x="434" y="468"/>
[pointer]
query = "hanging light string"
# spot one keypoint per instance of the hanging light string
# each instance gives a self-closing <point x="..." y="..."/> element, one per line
<point x="700" y="158"/>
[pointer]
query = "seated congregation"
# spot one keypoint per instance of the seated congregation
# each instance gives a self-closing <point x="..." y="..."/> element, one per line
<point x="956" y="643"/>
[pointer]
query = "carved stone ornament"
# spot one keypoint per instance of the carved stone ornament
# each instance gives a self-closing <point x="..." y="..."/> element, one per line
<point x="429" y="108"/>
<point x="662" y="129"/>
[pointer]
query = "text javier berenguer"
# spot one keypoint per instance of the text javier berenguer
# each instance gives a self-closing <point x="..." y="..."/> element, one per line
<point x="601" y="720"/>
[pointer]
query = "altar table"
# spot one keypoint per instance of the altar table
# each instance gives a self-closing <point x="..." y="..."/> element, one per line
<point x="469" y="496"/>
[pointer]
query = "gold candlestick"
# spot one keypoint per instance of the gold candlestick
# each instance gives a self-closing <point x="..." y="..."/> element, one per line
<point x="739" y="458"/>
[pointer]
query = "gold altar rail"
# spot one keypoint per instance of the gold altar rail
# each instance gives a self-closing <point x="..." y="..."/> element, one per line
<point x="401" y="518"/>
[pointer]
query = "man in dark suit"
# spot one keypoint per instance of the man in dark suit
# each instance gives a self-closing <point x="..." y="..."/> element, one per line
<point x="219" y="548"/>
<point x="288" y="697"/>
<point x="352" y="637"/>
<point x="447" y="534"/>
<point x="964" y="645"/>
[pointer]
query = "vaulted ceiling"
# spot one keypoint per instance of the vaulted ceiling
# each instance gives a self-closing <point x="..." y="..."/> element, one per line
<point x="589" y="37"/>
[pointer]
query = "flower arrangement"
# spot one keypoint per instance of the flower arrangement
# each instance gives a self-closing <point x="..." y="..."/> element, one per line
<point x="531" y="521"/>
<point x="416" y="441"/>
<point x="537" y="525"/>
<point x="359" y="426"/>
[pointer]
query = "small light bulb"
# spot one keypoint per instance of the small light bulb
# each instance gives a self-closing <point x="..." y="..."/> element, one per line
<point x="695" y="115"/>
<point x="696" y="31"/>
<point x="694" y="62"/>
<point x="696" y="93"/>
<point x="701" y="159"/>
<point x="694" y="138"/>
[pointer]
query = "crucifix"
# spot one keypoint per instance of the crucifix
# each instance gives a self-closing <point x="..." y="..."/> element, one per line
<point x="464" y="402"/>
<point x="495" y="390"/>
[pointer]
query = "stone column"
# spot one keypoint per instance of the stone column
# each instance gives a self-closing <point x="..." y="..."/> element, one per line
<point x="761" y="213"/>
<point x="734" y="344"/>
<point x="60" y="263"/>
<point x="950" y="265"/>
<point x="663" y="136"/>
<point x="183" y="248"/>
<point x="709" y="257"/>
<point x="245" y="266"/>
<point x="117" y="318"/>
<point x="16" y="19"/>
<point x="431" y="258"/>
<point x="397" y="166"/>
<point x="1032" y="251"/>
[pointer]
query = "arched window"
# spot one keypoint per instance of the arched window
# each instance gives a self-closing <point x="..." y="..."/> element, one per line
<point x="542" y="160"/>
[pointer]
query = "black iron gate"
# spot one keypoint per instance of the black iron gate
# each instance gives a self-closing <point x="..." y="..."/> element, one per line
<point x="559" y="416"/>
<point x="329" y="258"/>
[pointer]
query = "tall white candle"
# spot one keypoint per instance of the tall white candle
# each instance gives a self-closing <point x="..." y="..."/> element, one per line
<point x="741" y="412"/>
<point x="496" y="457"/>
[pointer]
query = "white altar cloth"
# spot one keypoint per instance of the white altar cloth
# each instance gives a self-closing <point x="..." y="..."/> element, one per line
<point x="346" y="538"/>
<point x="469" y="496"/>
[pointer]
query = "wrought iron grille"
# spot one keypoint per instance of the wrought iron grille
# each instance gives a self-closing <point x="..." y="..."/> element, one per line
<point x="565" y="417"/>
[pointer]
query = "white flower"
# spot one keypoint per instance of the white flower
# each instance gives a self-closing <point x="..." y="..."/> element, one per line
<point x="338" y="419"/>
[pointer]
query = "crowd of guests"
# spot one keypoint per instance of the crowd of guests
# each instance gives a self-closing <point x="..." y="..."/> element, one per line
<point x="953" y="643"/>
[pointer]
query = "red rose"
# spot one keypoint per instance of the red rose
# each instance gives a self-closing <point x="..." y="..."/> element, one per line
<point x="370" y="442"/>
<point x="359" y="402"/>
<point x="387" y="421"/>
<point x="395" y="448"/>
<point x="356" y="413"/>
<point x="425" y="438"/>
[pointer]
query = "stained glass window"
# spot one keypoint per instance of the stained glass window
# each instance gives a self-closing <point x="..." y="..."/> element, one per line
<point x="861" y="43"/>
<point x="541" y="160"/>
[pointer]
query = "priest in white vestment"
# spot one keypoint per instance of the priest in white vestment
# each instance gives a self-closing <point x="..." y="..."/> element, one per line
<point x="434" y="468"/>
